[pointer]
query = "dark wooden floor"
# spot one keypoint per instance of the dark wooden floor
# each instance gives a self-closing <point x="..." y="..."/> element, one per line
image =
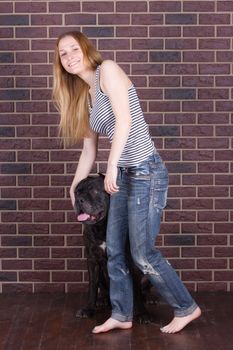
<point x="47" y="322"/>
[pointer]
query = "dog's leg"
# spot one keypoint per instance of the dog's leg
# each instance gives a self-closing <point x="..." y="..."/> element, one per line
<point x="93" y="272"/>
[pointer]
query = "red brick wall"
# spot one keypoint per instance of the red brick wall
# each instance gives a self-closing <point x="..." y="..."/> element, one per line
<point x="179" y="55"/>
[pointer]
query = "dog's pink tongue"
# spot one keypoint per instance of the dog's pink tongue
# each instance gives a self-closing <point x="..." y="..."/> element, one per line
<point x="83" y="217"/>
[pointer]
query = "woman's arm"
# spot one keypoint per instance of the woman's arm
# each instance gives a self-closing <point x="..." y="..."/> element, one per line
<point x="115" y="83"/>
<point x="86" y="161"/>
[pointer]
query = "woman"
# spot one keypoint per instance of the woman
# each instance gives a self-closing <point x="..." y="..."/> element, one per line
<point x="95" y="96"/>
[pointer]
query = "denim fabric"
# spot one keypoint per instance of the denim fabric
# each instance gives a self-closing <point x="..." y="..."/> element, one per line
<point x="135" y="211"/>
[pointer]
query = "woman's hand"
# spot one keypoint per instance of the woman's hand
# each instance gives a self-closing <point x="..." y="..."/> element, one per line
<point x="110" y="185"/>
<point x="72" y="196"/>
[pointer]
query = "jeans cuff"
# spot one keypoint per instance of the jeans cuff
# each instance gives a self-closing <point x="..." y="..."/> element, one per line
<point x="186" y="312"/>
<point x="121" y="318"/>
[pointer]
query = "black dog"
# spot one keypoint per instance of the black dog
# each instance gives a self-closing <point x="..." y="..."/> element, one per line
<point x="91" y="202"/>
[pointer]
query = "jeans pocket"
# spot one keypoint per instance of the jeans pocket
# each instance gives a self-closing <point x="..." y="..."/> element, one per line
<point x="159" y="186"/>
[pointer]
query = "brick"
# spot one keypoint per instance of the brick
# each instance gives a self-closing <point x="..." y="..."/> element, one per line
<point x="16" y="217"/>
<point x="224" y="155"/>
<point x="14" y="20"/>
<point x="213" y="118"/>
<point x="8" y="253"/>
<point x="180" y="18"/>
<point x="8" y="276"/>
<point x="33" y="205"/>
<point x="12" y="192"/>
<point x="133" y="31"/>
<point x="143" y="69"/>
<point x="149" y="44"/>
<point x="224" y="31"/>
<point x="224" y="106"/>
<point x="219" y="167"/>
<point x="61" y="205"/>
<point x="16" y="241"/>
<point x="16" y="264"/>
<point x="14" y="70"/>
<point x="7" y="205"/>
<point x="7" y="180"/>
<point x="197" y="155"/>
<point x="6" y="7"/>
<point x="214" y="44"/>
<point x="30" y="7"/>
<point x="129" y="6"/>
<point x="196" y="252"/>
<point x="33" y="180"/>
<point x="66" y="252"/>
<point x="180" y="143"/>
<point x="49" y="264"/>
<point x="224" y="204"/>
<point x="180" y="216"/>
<point x="6" y="33"/>
<point x="212" y="264"/>
<point x="64" y="6"/>
<point x="33" y="156"/>
<point x="16" y="168"/>
<point x="6" y="82"/>
<point x="131" y="56"/>
<point x="147" y="19"/>
<point x="46" y="19"/>
<point x="180" y="94"/>
<point x="100" y="6"/>
<point x="212" y="215"/>
<point x="180" y="69"/>
<point x="201" y="228"/>
<point x="64" y="228"/>
<point x="223" y="275"/>
<point x="114" y="44"/>
<point x="213" y="143"/>
<point x="30" y="32"/>
<point x="202" y="130"/>
<point x="165" y="6"/>
<point x="6" y="57"/>
<point x="66" y="276"/>
<point x="48" y="241"/>
<point x="212" y="18"/>
<point x="212" y="240"/>
<point x="165" y="32"/>
<point x="80" y="19"/>
<point x="41" y="168"/>
<point x="7" y="229"/>
<point x="198" y="6"/>
<point x="198" y="56"/>
<point x="214" y="68"/>
<point x="99" y="31"/>
<point x="198" y="31"/>
<point x="35" y="276"/>
<point x="7" y="132"/>
<point x="197" y="203"/>
<point x="45" y="192"/>
<point x="224" y="130"/>
<point x="225" y="6"/>
<point x="161" y="56"/>
<point x="196" y="275"/>
<point x="213" y="191"/>
<point x="214" y="94"/>
<point x="223" y="179"/>
<point x="199" y="106"/>
<point x="33" y="253"/>
<point x="17" y="288"/>
<point x="197" y="81"/>
<point x="180" y="240"/>
<point x="12" y="95"/>
<point x="180" y="44"/>
<point x="34" y="228"/>
<point x="161" y="81"/>
<point x="48" y="217"/>
<point x="31" y="57"/>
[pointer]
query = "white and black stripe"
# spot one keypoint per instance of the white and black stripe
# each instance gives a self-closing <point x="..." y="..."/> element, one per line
<point x="102" y="120"/>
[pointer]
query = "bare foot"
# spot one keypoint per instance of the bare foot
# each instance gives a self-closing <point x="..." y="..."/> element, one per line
<point x="110" y="324"/>
<point x="179" y="323"/>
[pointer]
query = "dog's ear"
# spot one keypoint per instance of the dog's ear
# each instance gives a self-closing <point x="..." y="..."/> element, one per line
<point x="102" y="175"/>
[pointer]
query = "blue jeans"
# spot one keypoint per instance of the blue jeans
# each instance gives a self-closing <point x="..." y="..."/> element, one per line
<point x="135" y="212"/>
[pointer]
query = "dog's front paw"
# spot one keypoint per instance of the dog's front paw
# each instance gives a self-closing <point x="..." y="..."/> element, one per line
<point x="142" y="318"/>
<point x="85" y="313"/>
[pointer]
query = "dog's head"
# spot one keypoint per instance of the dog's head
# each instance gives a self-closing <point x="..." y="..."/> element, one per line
<point x="91" y="200"/>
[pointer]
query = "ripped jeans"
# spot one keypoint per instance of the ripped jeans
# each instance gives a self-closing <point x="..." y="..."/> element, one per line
<point x="135" y="213"/>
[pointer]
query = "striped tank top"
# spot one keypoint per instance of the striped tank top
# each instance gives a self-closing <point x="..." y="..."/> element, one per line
<point x="139" y="145"/>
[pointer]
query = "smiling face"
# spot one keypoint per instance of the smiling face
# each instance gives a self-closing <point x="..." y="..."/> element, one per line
<point x="71" y="55"/>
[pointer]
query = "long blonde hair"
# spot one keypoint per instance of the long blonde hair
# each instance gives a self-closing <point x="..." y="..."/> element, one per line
<point x="70" y="92"/>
